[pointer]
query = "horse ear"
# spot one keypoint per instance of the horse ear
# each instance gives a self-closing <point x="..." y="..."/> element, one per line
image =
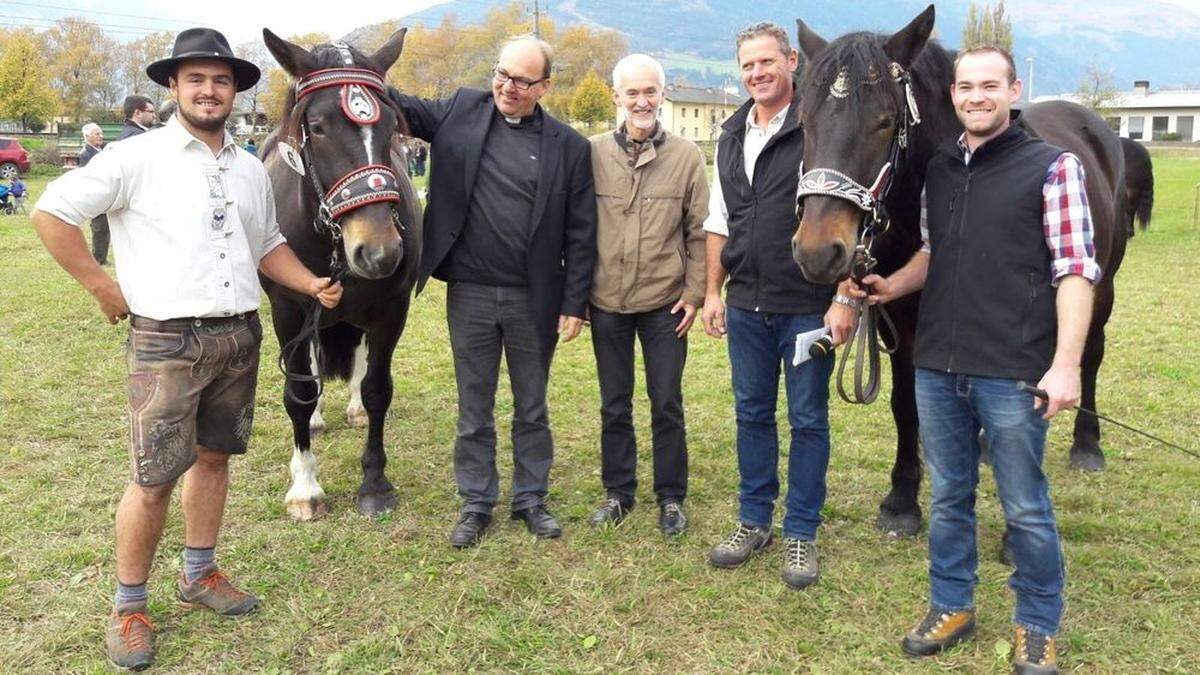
<point x="904" y="46"/>
<point x="810" y="43"/>
<point x="293" y="58"/>
<point x="387" y="55"/>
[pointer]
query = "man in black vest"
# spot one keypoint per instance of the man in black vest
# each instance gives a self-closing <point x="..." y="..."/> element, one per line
<point x="1007" y="272"/>
<point x="511" y="227"/>
<point x="752" y="217"/>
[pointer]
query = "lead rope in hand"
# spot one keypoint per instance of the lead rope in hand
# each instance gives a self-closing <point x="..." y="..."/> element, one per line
<point x="867" y="340"/>
<point x="310" y="329"/>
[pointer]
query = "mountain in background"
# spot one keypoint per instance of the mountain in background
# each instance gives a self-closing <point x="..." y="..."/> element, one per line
<point x="1143" y="40"/>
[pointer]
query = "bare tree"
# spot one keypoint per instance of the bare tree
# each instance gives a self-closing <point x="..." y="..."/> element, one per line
<point x="1098" y="90"/>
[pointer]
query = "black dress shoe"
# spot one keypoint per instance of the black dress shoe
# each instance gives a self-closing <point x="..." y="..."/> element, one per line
<point x="671" y="519"/>
<point x="539" y="522"/>
<point x="611" y="512"/>
<point x="469" y="529"/>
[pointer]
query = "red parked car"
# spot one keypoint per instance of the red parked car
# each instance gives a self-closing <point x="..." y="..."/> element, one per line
<point x="13" y="158"/>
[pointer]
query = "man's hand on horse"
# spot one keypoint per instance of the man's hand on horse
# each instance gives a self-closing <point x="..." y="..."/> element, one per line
<point x="569" y="327"/>
<point x="1062" y="384"/>
<point x="112" y="301"/>
<point x="327" y="292"/>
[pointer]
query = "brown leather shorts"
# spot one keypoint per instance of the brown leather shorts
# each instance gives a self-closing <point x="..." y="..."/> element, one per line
<point x="191" y="381"/>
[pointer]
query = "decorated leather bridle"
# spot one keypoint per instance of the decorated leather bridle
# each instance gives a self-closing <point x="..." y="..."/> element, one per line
<point x="367" y="184"/>
<point x="867" y="343"/>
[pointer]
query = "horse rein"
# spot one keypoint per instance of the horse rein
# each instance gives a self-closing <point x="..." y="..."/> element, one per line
<point x="367" y="184"/>
<point x="867" y="339"/>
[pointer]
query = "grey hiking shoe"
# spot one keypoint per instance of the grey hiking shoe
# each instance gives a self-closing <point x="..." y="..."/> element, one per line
<point x="800" y="568"/>
<point x="739" y="546"/>
<point x="213" y="590"/>
<point x="130" y="637"/>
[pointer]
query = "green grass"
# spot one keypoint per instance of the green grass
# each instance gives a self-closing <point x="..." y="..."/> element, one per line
<point x="350" y="594"/>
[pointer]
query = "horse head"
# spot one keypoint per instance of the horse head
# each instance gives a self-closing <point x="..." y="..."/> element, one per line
<point x="856" y="112"/>
<point x="339" y="118"/>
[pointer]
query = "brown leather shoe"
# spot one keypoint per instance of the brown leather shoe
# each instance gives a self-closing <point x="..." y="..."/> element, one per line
<point x="130" y="637"/>
<point x="937" y="631"/>
<point x="1034" y="653"/>
<point x="213" y="590"/>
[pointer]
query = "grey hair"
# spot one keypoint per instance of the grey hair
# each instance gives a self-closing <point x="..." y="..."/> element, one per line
<point x="89" y="128"/>
<point x="767" y="29"/>
<point x="637" y="61"/>
<point x="542" y="45"/>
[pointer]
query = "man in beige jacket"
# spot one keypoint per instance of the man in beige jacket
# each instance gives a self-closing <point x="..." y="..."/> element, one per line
<point x="651" y="202"/>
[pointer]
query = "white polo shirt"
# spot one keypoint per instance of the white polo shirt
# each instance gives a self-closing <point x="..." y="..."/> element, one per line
<point x="188" y="228"/>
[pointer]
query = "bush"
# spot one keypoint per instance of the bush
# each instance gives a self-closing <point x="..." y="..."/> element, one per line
<point x="45" y="155"/>
<point x="44" y="170"/>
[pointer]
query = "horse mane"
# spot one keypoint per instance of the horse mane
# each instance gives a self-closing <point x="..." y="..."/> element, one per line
<point x="326" y="56"/>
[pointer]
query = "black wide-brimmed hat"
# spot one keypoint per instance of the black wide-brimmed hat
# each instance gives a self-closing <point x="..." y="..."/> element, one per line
<point x="203" y="43"/>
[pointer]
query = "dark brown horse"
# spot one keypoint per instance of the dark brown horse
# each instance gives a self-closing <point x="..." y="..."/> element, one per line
<point x="853" y="108"/>
<point x="1139" y="184"/>
<point x="354" y="209"/>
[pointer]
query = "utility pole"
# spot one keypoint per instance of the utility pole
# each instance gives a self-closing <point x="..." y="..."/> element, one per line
<point x="1030" y="88"/>
<point x="537" y="15"/>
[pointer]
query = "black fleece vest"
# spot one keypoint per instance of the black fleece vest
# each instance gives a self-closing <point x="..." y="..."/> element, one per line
<point x="762" y="219"/>
<point x="988" y="306"/>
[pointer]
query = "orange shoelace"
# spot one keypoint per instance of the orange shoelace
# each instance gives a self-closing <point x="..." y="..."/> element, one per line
<point x="214" y="581"/>
<point x="136" y="640"/>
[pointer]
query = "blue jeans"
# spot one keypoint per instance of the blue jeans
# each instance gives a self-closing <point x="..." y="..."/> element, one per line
<point x="758" y="343"/>
<point x="952" y="408"/>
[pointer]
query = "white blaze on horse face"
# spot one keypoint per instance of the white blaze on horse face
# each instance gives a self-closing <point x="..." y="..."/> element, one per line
<point x="316" y="424"/>
<point x="356" y="416"/>
<point x="366" y="134"/>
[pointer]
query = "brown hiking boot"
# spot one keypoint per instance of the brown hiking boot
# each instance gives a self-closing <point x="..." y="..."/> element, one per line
<point x="937" y="631"/>
<point x="213" y="590"/>
<point x="1034" y="653"/>
<point x="130" y="637"/>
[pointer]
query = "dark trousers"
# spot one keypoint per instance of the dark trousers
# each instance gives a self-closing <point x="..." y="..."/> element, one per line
<point x="484" y="322"/>
<point x="664" y="354"/>
<point x="100" y="238"/>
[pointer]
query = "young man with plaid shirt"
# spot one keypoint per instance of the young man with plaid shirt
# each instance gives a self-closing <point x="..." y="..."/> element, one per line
<point x="1007" y="271"/>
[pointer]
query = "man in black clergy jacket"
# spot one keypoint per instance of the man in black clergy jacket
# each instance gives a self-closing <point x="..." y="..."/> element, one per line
<point x="511" y="227"/>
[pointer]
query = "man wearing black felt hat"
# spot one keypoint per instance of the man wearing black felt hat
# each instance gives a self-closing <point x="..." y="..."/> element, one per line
<point x="192" y="218"/>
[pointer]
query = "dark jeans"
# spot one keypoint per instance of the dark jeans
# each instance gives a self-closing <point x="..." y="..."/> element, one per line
<point x="100" y="238"/>
<point x="758" y="343"/>
<point x="664" y="355"/>
<point x="485" y="321"/>
<point x="952" y="409"/>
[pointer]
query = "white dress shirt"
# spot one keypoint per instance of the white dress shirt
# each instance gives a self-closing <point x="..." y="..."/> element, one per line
<point x="755" y="140"/>
<point x="188" y="228"/>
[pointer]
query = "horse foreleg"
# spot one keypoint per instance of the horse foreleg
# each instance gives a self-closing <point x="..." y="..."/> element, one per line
<point x="1086" y="453"/>
<point x="900" y="512"/>
<point x="316" y="423"/>
<point x="356" y="414"/>
<point x="376" y="494"/>
<point x="305" y="499"/>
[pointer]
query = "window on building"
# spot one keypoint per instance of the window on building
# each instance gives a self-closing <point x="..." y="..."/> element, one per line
<point x="1183" y="127"/>
<point x="1137" y="124"/>
<point x="1159" y="127"/>
<point x="697" y="113"/>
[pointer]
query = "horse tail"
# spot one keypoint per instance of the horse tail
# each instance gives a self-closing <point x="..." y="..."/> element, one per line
<point x="1145" y="202"/>
<point x="338" y="343"/>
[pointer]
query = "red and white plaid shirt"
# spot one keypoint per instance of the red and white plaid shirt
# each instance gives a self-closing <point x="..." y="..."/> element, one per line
<point x="1066" y="218"/>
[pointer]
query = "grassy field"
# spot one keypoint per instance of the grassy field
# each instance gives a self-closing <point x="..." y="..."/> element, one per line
<point x="349" y="594"/>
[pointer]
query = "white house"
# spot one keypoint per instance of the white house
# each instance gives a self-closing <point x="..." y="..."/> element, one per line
<point x="1146" y="115"/>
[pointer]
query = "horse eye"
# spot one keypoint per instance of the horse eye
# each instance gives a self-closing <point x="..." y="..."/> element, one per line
<point x="317" y="129"/>
<point x="884" y="124"/>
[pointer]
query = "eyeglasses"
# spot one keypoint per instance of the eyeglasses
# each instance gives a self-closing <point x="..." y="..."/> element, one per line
<point x="501" y="77"/>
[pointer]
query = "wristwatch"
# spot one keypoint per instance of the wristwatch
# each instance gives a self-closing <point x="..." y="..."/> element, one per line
<point x="846" y="300"/>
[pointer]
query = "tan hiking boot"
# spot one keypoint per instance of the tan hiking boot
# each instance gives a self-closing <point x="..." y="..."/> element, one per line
<point x="1034" y="653"/>
<point x="939" y="630"/>
<point x="213" y="590"/>
<point x="130" y="637"/>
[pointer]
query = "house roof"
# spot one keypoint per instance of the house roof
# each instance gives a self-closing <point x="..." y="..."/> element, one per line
<point x="1135" y="100"/>
<point x="682" y="93"/>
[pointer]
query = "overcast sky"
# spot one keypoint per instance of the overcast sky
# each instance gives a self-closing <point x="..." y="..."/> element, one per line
<point x="242" y="21"/>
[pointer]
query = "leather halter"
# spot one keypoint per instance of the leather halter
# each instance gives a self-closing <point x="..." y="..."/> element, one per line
<point x="867" y="343"/>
